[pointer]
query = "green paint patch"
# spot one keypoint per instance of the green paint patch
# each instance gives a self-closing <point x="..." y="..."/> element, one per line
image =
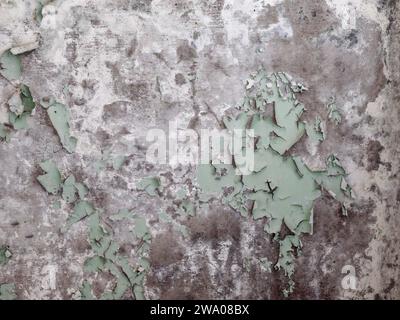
<point x="86" y="291"/>
<point x="38" y="10"/>
<point x="20" y="108"/>
<point x="5" y="133"/>
<point x="334" y="114"/>
<point x="150" y="184"/>
<point x="51" y="180"/>
<point x="5" y="255"/>
<point x="316" y="131"/>
<point x="106" y="258"/>
<point x="71" y="189"/>
<point x="10" y="66"/>
<point x="281" y="189"/>
<point x="59" y="117"/>
<point x="7" y="291"/>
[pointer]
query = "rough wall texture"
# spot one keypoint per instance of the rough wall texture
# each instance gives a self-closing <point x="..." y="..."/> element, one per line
<point x="123" y="67"/>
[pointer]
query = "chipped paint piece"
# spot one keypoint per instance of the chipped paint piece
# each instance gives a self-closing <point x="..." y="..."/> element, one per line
<point x="10" y="66"/>
<point x="82" y="210"/>
<point x="141" y="228"/>
<point x="281" y="187"/>
<point x="38" y="11"/>
<point x="7" y="291"/>
<point x="21" y="106"/>
<point x="316" y="131"/>
<point x="5" y="133"/>
<point x="5" y="255"/>
<point x="86" y="291"/>
<point x="150" y="184"/>
<point x="334" y="114"/>
<point x="107" y="259"/>
<point x="59" y="118"/>
<point x="128" y="280"/>
<point x="188" y="207"/>
<point x="71" y="188"/>
<point x="51" y="181"/>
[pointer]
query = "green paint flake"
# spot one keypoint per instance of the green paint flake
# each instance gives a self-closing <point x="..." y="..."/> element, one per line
<point x="59" y="118"/>
<point x="20" y="105"/>
<point x="188" y="207"/>
<point x="5" y="133"/>
<point x="106" y="257"/>
<point x="86" y="291"/>
<point x="150" y="184"/>
<point x="333" y="112"/>
<point x="10" y="66"/>
<point x="82" y="210"/>
<point x="38" y="10"/>
<point x="281" y="188"/>
<point x="7" y="291"/>
<point x="316" y="131"/>
<point x="140" y="229"/>
<point x="51" y="181"/>
<point x="71" y="188"/>
<point x="5" y="255"/>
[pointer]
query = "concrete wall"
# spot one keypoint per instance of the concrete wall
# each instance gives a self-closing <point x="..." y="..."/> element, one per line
<point x="124" y="66"/>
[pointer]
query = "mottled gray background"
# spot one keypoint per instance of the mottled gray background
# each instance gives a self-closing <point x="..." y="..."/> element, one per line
<point x="125" y="66"/>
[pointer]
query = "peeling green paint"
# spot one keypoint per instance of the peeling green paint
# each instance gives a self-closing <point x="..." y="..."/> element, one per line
<point x="86" y="291"/>
<point x="20" y="108"/>
<point x="282" y="188"/>
<point x="38" y="10"/>
<point x="333" y="111"/>
<point x="71" y="188"/>
<point x="150" y="184"/>
<point x="7" y="291"/>
<point x="316" y="131"/>
<point x="106" y="257"/>
<point x="5" y="133"/>
<point x="60" y="120"/>
<point x="51" y="181"/>
<point x="10" y="66"/>
<point x="5" y="255"/>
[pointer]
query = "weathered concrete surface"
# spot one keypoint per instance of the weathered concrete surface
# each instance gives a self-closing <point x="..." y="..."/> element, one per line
<point x="123" y="67"/>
